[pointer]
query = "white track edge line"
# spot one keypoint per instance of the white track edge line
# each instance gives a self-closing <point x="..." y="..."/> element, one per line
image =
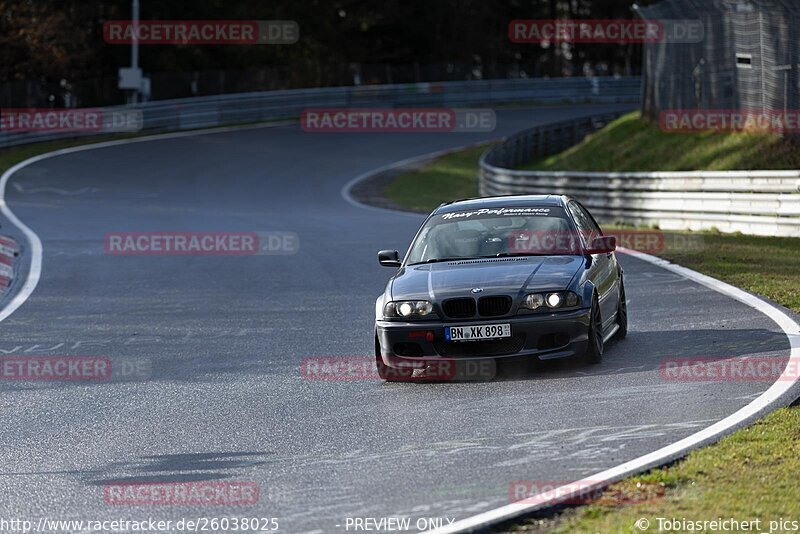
<point x="35" y="244"/>
<point x="346" y="190"/>
<point x="677" y="449"/>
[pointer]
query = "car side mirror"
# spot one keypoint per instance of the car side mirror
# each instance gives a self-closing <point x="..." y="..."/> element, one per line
<point x="603" y="245"/>
<point x="389" y="258"/>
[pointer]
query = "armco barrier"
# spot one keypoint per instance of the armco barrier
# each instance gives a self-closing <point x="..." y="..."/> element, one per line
<point x="222" y="110"/>
<point x="752" y="202"/>
<point x="545" y="140"/>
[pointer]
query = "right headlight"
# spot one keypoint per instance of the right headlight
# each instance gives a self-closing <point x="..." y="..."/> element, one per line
<point x="534" y="301"/>
<point x="552" y="300"/>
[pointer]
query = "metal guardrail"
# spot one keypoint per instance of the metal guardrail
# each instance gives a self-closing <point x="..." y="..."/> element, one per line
<point x="545" y="140"/>
<point x="231" y="109"/>
<point x="752" y="202"/>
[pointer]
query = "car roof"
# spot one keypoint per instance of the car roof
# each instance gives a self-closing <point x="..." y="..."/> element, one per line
<point x="502" y="201"/>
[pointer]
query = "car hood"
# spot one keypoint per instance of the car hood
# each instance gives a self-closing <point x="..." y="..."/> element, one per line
<point x="507" y="276"/>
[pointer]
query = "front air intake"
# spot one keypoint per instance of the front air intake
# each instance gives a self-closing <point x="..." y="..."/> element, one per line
<point x="494" y="306"/>
<point x="459" y="308"/>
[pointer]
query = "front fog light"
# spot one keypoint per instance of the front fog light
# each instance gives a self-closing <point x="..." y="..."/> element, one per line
<point x="554" y="300"/>
<point x="405" y="309"/>
<point x="534" y="301"/>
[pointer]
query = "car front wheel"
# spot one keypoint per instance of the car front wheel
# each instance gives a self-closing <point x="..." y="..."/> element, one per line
<point x="594" y="350"/>
<point x="622" y="312"/>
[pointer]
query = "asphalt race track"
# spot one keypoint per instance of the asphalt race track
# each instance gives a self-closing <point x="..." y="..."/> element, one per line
<point x="223" y="337"/>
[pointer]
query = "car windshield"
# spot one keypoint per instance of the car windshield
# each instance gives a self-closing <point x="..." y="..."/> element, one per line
<point x="486" y="233"/>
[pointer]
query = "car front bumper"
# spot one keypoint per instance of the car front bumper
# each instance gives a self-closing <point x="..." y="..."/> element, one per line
<point x="542" y="336"/>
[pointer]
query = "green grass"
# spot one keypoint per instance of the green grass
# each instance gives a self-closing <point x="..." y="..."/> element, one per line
<point x="767" y="266"/>
<point x="747" y="475"/>
<point x="632" y="144"/>
<point x="627" y="144"/>
<point x="751" y="473"/>
<point x="449" y="177"/>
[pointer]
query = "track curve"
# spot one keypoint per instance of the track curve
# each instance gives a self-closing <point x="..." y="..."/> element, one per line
<point x="225" y="336"/>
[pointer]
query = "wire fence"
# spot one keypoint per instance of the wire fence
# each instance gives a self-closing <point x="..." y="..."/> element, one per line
<point x="172" y="85"/>
<point x="747" y="59"/>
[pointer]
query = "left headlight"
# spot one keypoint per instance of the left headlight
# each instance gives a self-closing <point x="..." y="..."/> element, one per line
<point x="408" y="309"/>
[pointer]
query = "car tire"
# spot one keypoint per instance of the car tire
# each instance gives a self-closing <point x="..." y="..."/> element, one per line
<point x="390" y="374"/>
<point x="622" y="312"/>
<point x="594" y="349"/>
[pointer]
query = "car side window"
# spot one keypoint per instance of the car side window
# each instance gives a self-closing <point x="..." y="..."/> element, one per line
<point x="592" y="223"/>
<point x="586" y="225"/>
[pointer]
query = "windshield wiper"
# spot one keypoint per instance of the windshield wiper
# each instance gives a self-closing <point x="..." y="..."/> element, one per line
<point x="465" y="258"/>
<point x="438" y="260"/>
<point x="507" y="254"/>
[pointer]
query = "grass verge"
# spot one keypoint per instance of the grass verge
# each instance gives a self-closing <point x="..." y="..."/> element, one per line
<point x="449" y="177"/>
<point x="632" y="144"/>
<point x="749" y="474"/>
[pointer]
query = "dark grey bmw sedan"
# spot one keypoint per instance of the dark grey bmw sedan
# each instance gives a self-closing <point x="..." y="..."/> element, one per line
<point x="496" y="278"/>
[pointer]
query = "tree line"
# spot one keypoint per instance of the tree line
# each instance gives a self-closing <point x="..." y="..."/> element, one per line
<point x="341" y="41"/>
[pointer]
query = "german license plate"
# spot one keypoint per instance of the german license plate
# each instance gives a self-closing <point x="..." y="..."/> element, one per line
<point x="477" y="332"/>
